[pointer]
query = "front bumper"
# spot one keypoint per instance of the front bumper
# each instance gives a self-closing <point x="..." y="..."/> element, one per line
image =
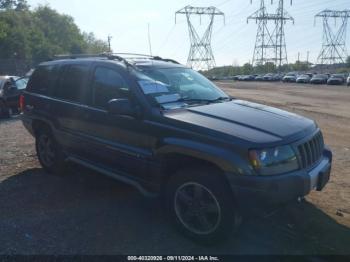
<point x="267" y="191"/>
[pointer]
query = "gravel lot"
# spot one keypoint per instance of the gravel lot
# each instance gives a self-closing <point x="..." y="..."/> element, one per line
<point x="82" y="212"/>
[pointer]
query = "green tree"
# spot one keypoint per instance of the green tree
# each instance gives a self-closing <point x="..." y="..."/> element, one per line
<point x="21" y="5"/>
<point x="247" y="69"/>
<point x="94" y="45"/>
<point x="35" y="36"/>
<point x="18" y="5"/>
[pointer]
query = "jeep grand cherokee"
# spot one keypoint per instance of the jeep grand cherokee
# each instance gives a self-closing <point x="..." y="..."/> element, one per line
<point x="170" y="132"/>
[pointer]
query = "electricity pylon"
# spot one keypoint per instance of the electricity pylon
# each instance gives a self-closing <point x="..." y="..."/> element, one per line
<point x="333" y="43"/>
<point x="201" y="54"/>
<point x="264" y="50"/>
<point x="281" y="48"/>
<point x="270" y="45"/>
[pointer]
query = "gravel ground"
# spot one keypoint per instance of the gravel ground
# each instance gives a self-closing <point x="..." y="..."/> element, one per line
<point x="82" y="212"/>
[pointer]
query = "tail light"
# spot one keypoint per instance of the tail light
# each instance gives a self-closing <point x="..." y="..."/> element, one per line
<point x="21" y="103"/>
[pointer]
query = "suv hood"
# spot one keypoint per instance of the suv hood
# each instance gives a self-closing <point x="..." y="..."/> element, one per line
<point x="249" y="121"/>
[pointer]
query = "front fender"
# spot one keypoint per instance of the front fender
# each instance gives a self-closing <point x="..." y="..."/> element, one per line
<point x="226" y="160"/>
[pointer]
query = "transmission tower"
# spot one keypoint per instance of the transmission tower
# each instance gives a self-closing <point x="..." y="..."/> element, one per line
<point x="201" y="54"/>
<point x="270" y="45"/>
<point x="264" y="50"/>
<point x="281" y="48"/>
<point x="333" y="43"/>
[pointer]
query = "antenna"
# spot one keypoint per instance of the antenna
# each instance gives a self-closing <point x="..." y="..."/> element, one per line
<point x="201" y="54"/>
<point x="149" y="41"/>
<point x="109" y="43"/>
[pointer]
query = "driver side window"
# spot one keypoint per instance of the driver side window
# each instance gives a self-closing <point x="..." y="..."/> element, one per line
<point x="108" y="84"/>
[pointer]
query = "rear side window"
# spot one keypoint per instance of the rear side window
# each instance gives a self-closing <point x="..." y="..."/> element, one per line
<point x="108" y="84"/>
<point x="42" y="79"/>
<point x="72" y="83"/>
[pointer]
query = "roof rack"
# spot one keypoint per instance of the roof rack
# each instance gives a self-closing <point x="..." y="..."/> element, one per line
<point x="117" y="56"/>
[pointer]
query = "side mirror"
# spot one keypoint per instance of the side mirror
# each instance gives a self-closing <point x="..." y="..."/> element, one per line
<point x="121" y="107"/>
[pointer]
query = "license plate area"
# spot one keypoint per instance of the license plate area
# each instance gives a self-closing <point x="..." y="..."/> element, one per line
<point x="319" y="176"/>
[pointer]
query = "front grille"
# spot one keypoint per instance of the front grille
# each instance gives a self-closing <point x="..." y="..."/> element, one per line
<point x="311" y="151"/>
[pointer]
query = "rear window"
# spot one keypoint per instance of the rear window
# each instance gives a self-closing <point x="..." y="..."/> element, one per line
<point x="42" y="79"/>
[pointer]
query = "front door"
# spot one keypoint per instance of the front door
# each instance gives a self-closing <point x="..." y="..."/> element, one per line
<point x="118" y="142"/>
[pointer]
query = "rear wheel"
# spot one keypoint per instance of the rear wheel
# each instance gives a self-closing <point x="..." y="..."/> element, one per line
<point x="201" y="204"/>
<point x="4" y="110"/>
<point x="48" y="151"/>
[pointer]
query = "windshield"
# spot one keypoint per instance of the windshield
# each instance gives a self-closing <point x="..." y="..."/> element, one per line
<point x="178" y="86"/>
<point x="337" y="75"/>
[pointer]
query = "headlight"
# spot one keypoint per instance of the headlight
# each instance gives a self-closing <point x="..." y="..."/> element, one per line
<point x="273" y="161"/>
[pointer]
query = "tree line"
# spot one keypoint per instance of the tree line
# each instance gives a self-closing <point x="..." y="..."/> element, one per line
<point x="298" y="66"/>
<point x="39" y="34"/>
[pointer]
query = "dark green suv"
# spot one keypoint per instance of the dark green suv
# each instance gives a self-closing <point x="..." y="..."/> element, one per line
<point x="170" y="132"/>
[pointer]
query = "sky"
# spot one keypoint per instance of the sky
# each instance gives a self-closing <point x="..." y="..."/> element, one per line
<point x="232" y="42"/>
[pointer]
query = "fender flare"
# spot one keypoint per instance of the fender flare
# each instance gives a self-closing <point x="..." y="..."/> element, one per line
<point x="228" y="161"/>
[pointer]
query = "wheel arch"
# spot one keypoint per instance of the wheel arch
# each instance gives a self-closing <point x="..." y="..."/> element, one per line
<point x="38" y="125"/>
<point x="175" y="157"/>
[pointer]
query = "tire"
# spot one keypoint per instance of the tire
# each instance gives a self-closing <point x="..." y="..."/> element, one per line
<point x="4" y="110"/>
<point x="201" y="205"/>
<point x="49" y="152"/>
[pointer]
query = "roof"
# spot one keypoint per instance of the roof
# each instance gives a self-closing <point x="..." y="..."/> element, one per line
<point x="124" y="59"/>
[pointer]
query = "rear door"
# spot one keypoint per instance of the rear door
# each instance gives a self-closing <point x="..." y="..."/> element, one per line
<point x="67" y="105"/>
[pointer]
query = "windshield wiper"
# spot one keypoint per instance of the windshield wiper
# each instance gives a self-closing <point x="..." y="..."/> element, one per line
<point x="219" y="99"/>
<point x="207" y="101"/>
<point x="199" y="101"/>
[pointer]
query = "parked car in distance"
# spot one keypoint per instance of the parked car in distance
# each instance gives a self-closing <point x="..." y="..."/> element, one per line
<point x="277" y="77"/>
<point x="9" y="94"/>
<point x="259" y="78"/>
<point x="290" y="77"/>
<point x="336" y="79"/>
<point x="168" y="131"/>
<point x="247" y="78"/>
<point x="268" y="77"/>
<point x="319" y="79"/>
<point x="348" y="81"/>
<point x="303" y="79"/>
<point x="236" y="77"/>
<point x="310" y="75"/>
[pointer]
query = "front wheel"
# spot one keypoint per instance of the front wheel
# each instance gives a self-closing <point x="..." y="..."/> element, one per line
<point x="201" y="204"/>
